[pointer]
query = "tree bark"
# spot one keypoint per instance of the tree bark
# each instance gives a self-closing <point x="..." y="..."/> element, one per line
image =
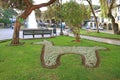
<point x="76" y="33"/>
<point x="89" y="1"/>
<point x="15" y="39"/>
<point x="26" y="13"/>
<point x="112" y="17"/>
<point x="113" y="23"/>
<point x="77" y="37"/>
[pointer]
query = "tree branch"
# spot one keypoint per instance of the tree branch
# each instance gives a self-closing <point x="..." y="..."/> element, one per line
<point x="28" y="3"/>
<point x="118" y="5"/>
<point x="29" y="9"/>
<point x="112" y="4"/>
<point x="89" y="2"/>
<point x="43" y="4"/>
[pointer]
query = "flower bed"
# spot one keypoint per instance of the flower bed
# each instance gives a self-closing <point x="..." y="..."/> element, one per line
<point x="50" y="56"/>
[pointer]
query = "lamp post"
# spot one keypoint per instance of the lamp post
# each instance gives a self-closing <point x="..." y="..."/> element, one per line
<point x="61" y="30"/>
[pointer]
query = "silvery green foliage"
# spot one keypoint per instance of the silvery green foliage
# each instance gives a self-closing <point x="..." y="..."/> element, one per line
<point x="51" y="53"/>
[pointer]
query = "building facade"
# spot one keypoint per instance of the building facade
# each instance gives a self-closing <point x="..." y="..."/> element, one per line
<point x="105" y="23"/>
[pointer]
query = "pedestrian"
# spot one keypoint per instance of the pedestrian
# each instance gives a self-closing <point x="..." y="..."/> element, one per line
<point x="54" y="29"/>
<point x="63" y="25"/>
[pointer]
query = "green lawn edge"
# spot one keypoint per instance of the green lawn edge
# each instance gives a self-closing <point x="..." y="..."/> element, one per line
<point x="100" y="34"/>
<point x="23" y="62"/>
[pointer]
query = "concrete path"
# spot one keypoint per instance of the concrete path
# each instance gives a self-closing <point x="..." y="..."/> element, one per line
<point x="109" y="41"/>
<point x="104" y="40"/>
<point x="7" y="34"/>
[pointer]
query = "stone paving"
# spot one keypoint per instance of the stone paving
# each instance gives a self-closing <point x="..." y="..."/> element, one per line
<point x="104" y="40"/>
<point x="109" y="41"/>
<point x="7" y="34"/>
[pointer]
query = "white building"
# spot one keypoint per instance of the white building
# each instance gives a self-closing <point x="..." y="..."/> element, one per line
<point x="106" y="22"/>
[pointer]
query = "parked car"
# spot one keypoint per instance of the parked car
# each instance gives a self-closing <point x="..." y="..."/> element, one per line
<point x="87" y="27"/>
<point x="100" y="28"/>
<point x="94" y="28"/>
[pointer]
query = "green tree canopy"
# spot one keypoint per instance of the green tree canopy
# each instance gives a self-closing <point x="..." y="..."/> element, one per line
<point x="18" y="4"/>
<point x="95" y="7"/>
<point x="53" y="11"/>
<point x="74" y="13"/>
<point x="38" y="13"/>
<point x="6" y="14"/>
<point x="104" y="7"/>
<point x="107" y="12"/>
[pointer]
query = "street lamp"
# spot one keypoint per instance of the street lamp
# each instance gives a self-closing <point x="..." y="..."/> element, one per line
<point x="61" y="30"/>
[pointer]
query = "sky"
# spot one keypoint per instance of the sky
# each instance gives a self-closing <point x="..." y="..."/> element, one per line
<point x="40" y="1"/>
<point x="44" y="8"/>
<point x="85" y="2"/>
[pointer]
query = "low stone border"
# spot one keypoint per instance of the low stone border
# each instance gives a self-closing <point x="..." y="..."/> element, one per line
<point x="50" y="55"/>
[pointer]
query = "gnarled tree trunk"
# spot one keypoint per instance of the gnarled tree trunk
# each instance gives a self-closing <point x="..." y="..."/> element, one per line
<point x="26" y="13"/>
<point x="113" y="23"/>
<point x="112" y="17"/>
<point x="15" y="39"/>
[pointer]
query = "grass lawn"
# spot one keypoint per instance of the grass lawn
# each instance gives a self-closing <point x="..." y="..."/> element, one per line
<point x="101" y="34"/>
<point x="23" y="62"/>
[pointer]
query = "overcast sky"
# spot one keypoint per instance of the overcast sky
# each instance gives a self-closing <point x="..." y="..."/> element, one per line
<point x="42" y="1"/>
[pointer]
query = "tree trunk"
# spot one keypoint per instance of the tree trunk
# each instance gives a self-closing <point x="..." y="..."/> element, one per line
<point x="15" y="39"/>
<point x="113" y="24"/>
<point x="77" y="37"/>
<point x="26" y="13"/>
<point x="112" y="17"/>
<point x="96" y="24"/>
<point x="113" y="21"/>
<point x="77" y="34"/>
<point x="90" y="3"/>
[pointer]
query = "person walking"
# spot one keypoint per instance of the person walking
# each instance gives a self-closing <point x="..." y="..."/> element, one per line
<point x="54" y="29"/>
<point x="54" y="25"/>
<point x="63" y="25"/>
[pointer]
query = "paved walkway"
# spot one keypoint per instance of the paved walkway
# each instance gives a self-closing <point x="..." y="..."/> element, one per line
<point x="104" y="40"/>
<point x="7" y="34"/>
<point x="109" y="41"/>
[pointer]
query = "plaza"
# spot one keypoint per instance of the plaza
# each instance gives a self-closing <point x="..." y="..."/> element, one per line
<point x="7" y="34"/>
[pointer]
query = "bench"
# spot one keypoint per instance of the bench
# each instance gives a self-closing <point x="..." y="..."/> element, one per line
<point x="34" y="32"/>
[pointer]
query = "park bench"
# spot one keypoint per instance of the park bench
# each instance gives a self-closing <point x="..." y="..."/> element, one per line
<point x="34" y="32"/>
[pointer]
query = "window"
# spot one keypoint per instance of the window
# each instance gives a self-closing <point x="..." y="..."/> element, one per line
<point x="119" y="8"/>
<point x="102" y="20"/>
<point x="118" y="17"/>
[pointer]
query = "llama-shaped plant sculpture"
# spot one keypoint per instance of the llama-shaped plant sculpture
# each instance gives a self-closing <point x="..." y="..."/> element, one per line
<point x="50" y="56"/>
